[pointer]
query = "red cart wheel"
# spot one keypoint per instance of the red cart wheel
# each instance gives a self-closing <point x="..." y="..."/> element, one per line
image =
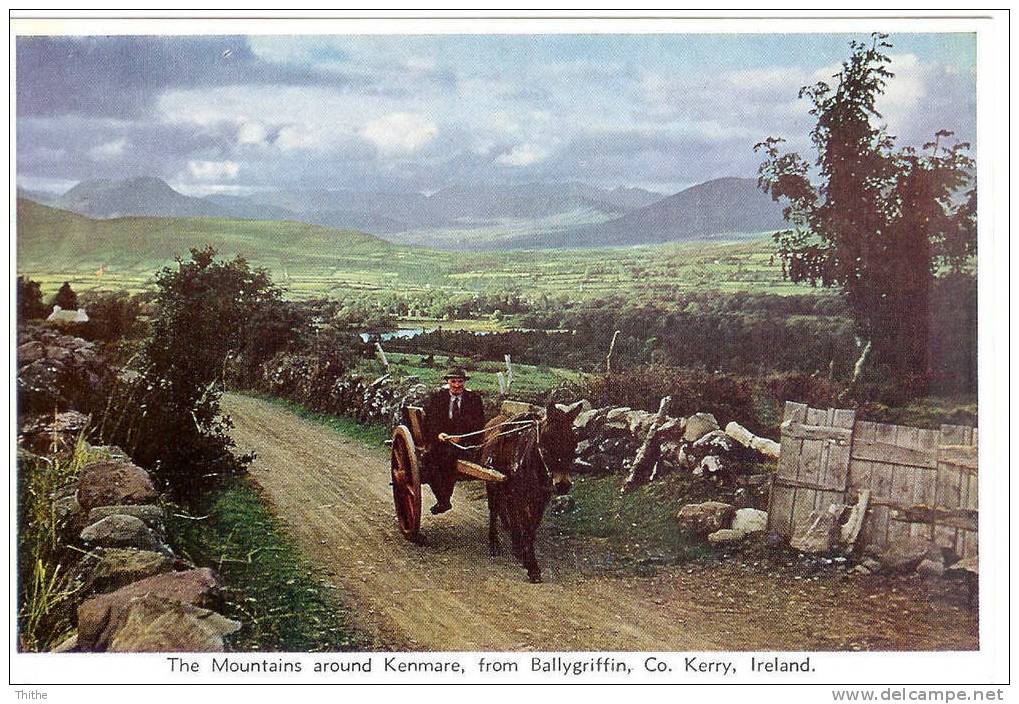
<point x="406" y="482"/>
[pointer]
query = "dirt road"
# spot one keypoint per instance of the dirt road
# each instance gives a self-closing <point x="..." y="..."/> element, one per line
<point x="449" y="594"/>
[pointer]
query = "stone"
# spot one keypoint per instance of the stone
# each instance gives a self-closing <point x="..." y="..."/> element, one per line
<point x="578" y="407"/>
<point x="775" y="540"/>
<point x="715" y="443"/>
<point x="726" y="535"/>
<point x="151" y="515"/>
<point x="31" y="352"/>
<point x="618" y="414"/>
<point x="698" y="425"/>
<point x="672" y="430"/>
<point x="750" y="520"/>
<point x="114" y="483"/>
<point x="585" y="422"/>
<point x="904" y="556"/>
<point x="118" y="567"/>
<point x="119" y="531"/>
<point x="60" y="354"/>
<point x="763" y="446"/>
<point x="713" y="466"/>
<point x="614" y="446"/>
<point x="156" y="625"/>
<point x="639" y="422"/>
<point x="930" y="569"/>
<point x="101" y="617"/>
<point x="705" y="518"/>
<point x="819" y="532"/>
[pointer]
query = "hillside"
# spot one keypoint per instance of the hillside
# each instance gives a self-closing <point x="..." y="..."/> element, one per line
<point x="103" y="198"/>
<point x="712" y="210"/>
<point x="55" y="240"/>
<point x="311" y="260"/>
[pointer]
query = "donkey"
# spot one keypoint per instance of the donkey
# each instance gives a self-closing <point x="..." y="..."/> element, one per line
<point x="536" y="461"/>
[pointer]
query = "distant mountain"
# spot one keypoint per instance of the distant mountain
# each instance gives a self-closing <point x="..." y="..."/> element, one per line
<point x="532" y="200"/>
<point x="724" y="206"/>
<point x="248" y="208"/>
<point x="37" y="196"/>
<point x="146" y="195"/>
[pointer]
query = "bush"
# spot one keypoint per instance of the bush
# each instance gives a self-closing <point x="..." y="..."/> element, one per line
<point x="30" y="305"/>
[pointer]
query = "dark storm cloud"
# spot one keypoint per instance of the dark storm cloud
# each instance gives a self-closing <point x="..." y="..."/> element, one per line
<point x="122" y="76"/>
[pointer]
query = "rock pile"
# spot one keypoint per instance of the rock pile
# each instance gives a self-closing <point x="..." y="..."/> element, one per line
<point x="609" y="438"/>
<point x="58" y="371"/>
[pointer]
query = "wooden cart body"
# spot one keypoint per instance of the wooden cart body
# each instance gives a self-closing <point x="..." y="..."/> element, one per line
<point x="409" y="467"/>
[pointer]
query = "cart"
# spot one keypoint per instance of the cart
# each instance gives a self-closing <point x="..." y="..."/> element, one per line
<point x="409" y="466"/>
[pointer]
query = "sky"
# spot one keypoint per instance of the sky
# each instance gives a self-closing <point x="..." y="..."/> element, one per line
<point x="243" y="114"/>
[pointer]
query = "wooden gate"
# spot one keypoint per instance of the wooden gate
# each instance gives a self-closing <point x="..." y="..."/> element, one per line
<point x="922" y="483"/>
<point x="813" y="466"/>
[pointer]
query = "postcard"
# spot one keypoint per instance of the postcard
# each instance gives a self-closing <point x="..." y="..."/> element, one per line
<point x="509" y="349"/>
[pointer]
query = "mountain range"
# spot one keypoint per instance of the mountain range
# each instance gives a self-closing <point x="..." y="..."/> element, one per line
<point x="534" y="215"/>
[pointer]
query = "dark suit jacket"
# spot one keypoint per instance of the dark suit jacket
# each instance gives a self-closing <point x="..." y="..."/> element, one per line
<point x="437" y="420"/>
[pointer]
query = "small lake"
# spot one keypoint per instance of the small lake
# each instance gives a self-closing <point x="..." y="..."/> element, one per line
<point x="402" y="334"/>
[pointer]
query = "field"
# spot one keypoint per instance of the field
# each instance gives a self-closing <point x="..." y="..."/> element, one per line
<point x="55" y="246"/>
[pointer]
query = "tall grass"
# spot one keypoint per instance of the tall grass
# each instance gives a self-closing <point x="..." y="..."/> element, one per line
<point x="46" y="579"/>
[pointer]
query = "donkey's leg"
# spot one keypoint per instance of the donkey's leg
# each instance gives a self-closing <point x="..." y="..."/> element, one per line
<point x="494" y="506"/>
<point x="530" y="561"/>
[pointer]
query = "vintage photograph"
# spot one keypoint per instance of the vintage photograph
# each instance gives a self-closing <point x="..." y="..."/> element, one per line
<point x="418" y="340"/>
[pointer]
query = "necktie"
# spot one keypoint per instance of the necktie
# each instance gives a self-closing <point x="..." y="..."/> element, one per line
<point x="454" y="407"/>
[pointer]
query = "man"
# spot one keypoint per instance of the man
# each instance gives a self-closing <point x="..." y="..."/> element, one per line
<point x="450" y="412"/>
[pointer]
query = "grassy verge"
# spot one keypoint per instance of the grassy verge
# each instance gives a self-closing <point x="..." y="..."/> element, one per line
<point x="284" y="602"/>
<point x="371" y="434"/>
<point x="634" y="529"/>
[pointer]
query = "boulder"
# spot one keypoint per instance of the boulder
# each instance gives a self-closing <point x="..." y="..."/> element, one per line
<point x="750" y="520"/>
<point x="119" y="531"/>
<point x="158" y="625"/>
<point x="114" y="483"/>
<point x="819" y="532"/>
<point x="46" y="433"/>
<point x="698" y="425"/>
<point x="580" y="406"/>
<point x="615" y="446"/>
<point x="68" y="645"/>
<point x="100" y="617"/>
<point x="586" y="447"/>
<point x="672" y="430"/>
<point x="60" y="354"/>
<point x="619" y="414"/>
<point x="119" y="567"/>
<point x="762" y="446"/>
<point x="904" y="556"/>
<point x="712" y="466"/>
<point x="930" y="569"/>
<point x="585" y="423"/>
<point x="726" y="535"/>
<point x="715" y="443"/>
<point x="705" y="518"/>
<point x="149" y="514"/>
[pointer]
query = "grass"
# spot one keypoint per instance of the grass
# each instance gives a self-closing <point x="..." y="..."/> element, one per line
<point x="46" y="583"/>
<point x="56" y="246"/>
<point x="529" y="382"/>
<point x="636" y="527"/>
<point x="283" y="602"/>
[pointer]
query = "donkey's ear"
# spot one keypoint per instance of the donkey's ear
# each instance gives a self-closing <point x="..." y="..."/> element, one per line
<point x="550" y="409"/>
<point x="572" y="415"/>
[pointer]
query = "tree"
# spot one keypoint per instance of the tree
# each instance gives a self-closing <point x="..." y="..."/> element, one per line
<point x="880" y="222"/>
<point x="204" y="309"/>
<point x="30" y="303"/>
<point x="66" y="298"/>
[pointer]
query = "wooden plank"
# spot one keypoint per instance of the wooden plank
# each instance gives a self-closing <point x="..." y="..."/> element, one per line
<point x="881" y="485"/>
<point x="780" y="501"/>
<point x="472" y="469"/>
<point x="891" y="453"/>
<point x="853" y="525"/>
<point x="835" y="471"/>
<point x="809" y="431"/>
<point x="861" y="477"/>
<point x="963" y="519"/>
<point x="959" y="455"/>
<point x="901" y="486"/>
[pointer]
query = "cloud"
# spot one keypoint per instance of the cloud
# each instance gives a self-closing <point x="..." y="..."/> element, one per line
<point x="251" y="133"/>
<point x="213" y="170"/>
<point x="123" y="76"/>
<point x="522" y="155"/>
<point x="399" y="132"/>
<point x="108" y="150"/>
